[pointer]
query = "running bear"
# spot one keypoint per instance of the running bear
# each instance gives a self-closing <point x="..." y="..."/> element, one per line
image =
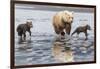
<point x="82" y="29"/>
<point x="62" y="22"/>
<point x="22" y="28"/>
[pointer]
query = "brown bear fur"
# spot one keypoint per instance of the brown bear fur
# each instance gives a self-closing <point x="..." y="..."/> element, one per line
<point x="62" y="22"/>
<point x="22" y="28"/>
<point x="82" y="29"/>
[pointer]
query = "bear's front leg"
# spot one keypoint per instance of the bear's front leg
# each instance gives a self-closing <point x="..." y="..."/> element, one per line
<point x="62" y="35"/>
<point x="30" y="33"/>
<point x="68" y="29"/>
<point x="86" y="35"/>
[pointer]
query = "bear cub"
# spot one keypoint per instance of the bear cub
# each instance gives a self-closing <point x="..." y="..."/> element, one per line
<point x="23" y="28"/>
<point x="82" y="29"/>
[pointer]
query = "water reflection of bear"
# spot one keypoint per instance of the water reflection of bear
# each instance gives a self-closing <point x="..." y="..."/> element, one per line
<point x="61" y="51"/>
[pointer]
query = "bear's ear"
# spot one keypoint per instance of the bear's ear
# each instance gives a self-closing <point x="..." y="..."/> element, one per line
<point x="27" y="22"/>
<point x="30" y="21"/>
<point x="72" y="12"/>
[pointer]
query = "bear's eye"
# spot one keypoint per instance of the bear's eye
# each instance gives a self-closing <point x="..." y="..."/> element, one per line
<point x="71" y="17"/>
<point x="66" y="14"/>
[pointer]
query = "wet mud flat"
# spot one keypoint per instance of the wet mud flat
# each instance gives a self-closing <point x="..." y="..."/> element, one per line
<point x="46" y="49"/>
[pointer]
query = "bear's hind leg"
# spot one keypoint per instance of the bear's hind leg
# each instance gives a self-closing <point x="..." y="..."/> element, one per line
<point x="20" y="35"/>
<point x="24" y="36"/>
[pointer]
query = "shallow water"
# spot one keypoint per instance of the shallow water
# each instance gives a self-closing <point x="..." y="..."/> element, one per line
<point x="47" y="49"/>
<point x="43" y="47"/>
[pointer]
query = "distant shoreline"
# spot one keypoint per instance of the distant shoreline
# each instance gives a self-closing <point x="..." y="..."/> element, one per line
<point x="53" y="8"/>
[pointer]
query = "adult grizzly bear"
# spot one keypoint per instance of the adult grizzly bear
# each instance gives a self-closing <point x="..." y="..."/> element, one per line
<point x="62" y="22"/>
<point x="22" y="28"/>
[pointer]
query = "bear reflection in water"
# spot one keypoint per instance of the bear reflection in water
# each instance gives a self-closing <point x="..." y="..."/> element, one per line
<point x="62" y="52"/>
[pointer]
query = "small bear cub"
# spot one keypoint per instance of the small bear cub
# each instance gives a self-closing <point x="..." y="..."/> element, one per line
<point x="22" y="28"/>
<point x="83" y="29"/>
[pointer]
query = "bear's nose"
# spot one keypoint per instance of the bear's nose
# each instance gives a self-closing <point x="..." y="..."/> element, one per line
<point x="31" y="26"/>
<point x="71" y="21"/>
